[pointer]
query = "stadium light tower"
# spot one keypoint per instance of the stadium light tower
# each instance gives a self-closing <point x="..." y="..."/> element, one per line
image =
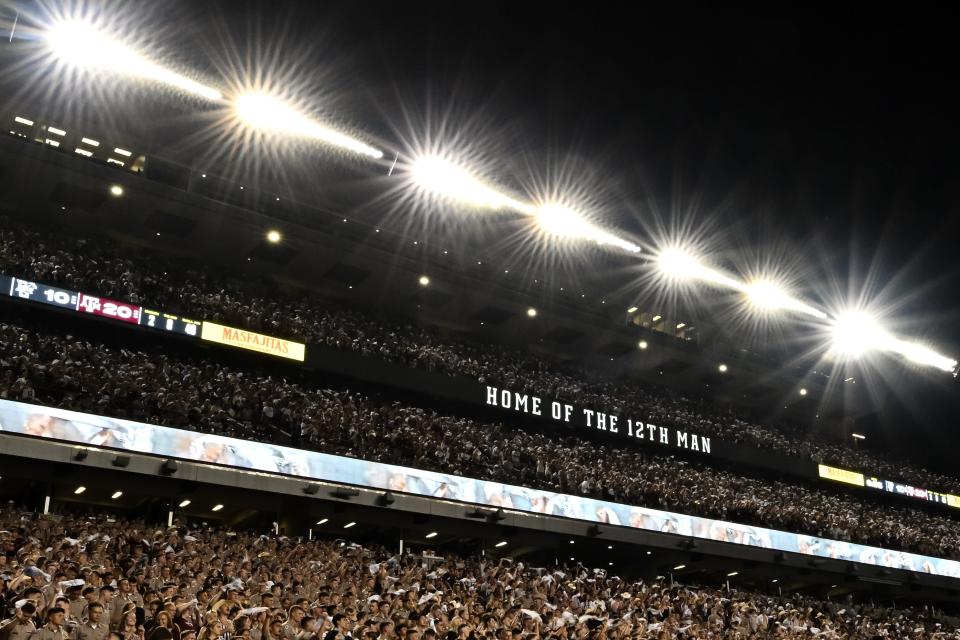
<point x="443" y="177"/>
<point x="79" y="43"/>
<point x="268" y="113"/>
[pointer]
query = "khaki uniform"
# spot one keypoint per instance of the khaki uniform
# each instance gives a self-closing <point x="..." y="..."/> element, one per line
<point x="49" y="632"/>
<point x="17" y="630"/>
<point x="87" y="631"/>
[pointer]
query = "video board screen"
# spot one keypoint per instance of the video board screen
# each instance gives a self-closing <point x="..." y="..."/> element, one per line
<point x="80" y="428"/>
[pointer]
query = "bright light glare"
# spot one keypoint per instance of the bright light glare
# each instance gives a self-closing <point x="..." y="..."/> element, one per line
<point x="274" y="236"/>
<point x="563" y="222"/>
<point x="424" y="281"/>
<point x="184" y="503"/>
<point x="265" y="112"/>
<point x="531" y="313"/>
<point x="116" y="191"/>
<point x="767" y="296"/>
<point x="217" y="507"/>
<point x="80" y="44"/>
<point x="445" y="178"/>
<point x="856" y="332"/>
<point x="116" y="494"/>
<point x="502" y="543"/>
<point x="79" y="490"/>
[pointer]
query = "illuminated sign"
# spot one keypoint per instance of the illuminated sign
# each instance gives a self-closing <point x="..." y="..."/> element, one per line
<point x="252" y="341"/>
<point x="169" y="322"/>
<point x="899" y="488"/>
<point x="841" y="475"/>
<point x="165" y="442"/>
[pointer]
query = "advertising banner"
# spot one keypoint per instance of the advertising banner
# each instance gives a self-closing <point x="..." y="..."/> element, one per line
<point x="253" y="341"/>
<point x="74" y="427"/>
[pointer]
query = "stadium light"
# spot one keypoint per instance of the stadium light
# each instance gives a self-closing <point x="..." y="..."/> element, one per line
<point x="642" y="344"/>
<point x="722" y="368"/>
<point x="632" y="309"/>
<point x="116" y="191"/>
<point x="79" y="490"/>
<point x="184" y="503"/>
<point x="531" y="312"/>
<point x="424" y="281"/>
<point x="217" y="507"/>
<point x="116" y="494"/>
<point x="81" y="44"/>
<point x="432" y="534"/>
<point x="349" y="524"/>
<point x="445" y="178"/>
<point x="563" y="222"/>
<point x="502" y="543"/>
<point x="274" y="236"/>
<point x="323" y="521"/>
<point x="803" y="391"/>
<point x="679" y="567"/>
<point x="268" y="113"/>
<point x="858" y="436"/>
<point x="767" y="296"/>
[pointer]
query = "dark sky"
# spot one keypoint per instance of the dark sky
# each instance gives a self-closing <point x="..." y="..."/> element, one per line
<point x="829" y="136"/>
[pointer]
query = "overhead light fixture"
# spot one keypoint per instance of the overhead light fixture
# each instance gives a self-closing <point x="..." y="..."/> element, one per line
<point x="78" y="43"/>
<point x="774" y="581"/>
<point x="55" y="131"/>
<point x="349" y="524"/>
<point x="116" y="494"/>
<point x="643" y="344"/>
<point x="79" y="490"/>
<point x="432" y="534"/>
<point x="23" y="120"/>
<point x="722" y="368"/>
<point x="323" y="520"/>
<point x="184" y="503"/>
<point x="656" y="318"/>
<point x="424" y="281"/>
<point x="733" y="573"/>
<point x="681" y="325"/>
<point x="572" y="542"/>
<point x="122" y="152"/>
<point x="274" y="236"/>
<point x="446" y="178"/>
<point x="270" y="113"/>
<point x="90" y="141"/>
<point x="116" y="191"/>
<point x="531" y="312"/>
<point x="83" y="152"/>
<point x="632" y="310"/>
<point x="679" y="567"/>
<point x="217" y="507"/>
<point x="803" y="391"/>
<point x="858" y="436"/>
<point x="502" y="543"/>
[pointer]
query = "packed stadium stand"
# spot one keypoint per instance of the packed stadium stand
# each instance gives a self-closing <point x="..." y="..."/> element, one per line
<point x="198" y="442"/>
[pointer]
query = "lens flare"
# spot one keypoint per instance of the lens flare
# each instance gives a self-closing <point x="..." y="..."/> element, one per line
<point x="267" y="113"/>
<point x="80" y="44"/>
<point x="443" y="177"/>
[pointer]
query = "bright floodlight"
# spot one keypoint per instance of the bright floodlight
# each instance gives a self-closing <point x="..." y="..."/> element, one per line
<point x="80" y="44"/>
<point x="857" y="332"/>
<point x="444" y="178"/>
<point x="722" y="368"/>
<point x="424" y="281"/>
<point x="531" y="313"/>
<point x="767" y="296"/>
<point x="274" y="236"/>
<point x="563" y="222"/>
<point x="265" y="112"/>
<point x="116" y="191"/>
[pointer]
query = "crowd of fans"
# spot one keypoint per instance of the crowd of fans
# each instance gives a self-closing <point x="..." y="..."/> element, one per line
<point x="45" y="366"/>
<point x="97" y="579"/>
<point x="107" y="269"/>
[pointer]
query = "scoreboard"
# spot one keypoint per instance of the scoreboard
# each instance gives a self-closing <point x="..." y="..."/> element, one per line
<point x="98" y="306"/>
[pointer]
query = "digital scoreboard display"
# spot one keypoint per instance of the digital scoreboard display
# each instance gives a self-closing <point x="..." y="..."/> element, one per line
<point x="98" y="306"/>
<point x="169" y="323"/>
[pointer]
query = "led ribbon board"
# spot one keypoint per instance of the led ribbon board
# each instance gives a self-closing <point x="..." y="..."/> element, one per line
<point x="91" y="430"/>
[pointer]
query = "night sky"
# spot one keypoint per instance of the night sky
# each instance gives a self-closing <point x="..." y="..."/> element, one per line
<point x="828" y="139"/>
